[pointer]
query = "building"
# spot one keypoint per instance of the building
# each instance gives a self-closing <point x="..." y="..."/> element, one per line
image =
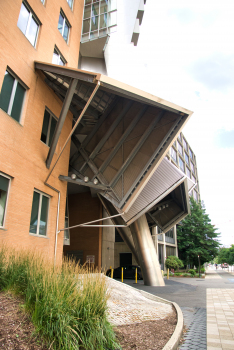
<point x="74" y="142"/>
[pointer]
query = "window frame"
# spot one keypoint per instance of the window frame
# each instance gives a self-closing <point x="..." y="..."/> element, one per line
<point x="35" y="18"/>
<point x="17" y="81"/>
<point x="61" y="57"/>
<point x="66" y="240"/>
<point x="39" y="213"/>
<point x="7" y="198"/>
<point x="182" y="161"/>
<point x="52" y="115"/>
<point x="68" y="24"/>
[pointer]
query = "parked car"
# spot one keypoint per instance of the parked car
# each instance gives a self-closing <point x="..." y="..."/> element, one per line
<point x="128" y="272"/>
<point x="225" y="265"/>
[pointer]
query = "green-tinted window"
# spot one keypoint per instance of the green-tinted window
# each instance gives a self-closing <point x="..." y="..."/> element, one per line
<point x="39" y="214"/>
<point x="4" y="184"/>
<point x="12" y="96"/>
<point x="48" y="128"/>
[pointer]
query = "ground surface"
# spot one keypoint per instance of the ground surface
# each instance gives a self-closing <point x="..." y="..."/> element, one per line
<point x="16" y="329"/>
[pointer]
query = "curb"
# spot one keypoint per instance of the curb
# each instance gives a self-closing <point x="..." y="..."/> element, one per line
<point x="173" y="342"/>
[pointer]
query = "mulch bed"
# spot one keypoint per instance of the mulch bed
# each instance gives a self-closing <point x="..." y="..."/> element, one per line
<point x="17" y="331"/>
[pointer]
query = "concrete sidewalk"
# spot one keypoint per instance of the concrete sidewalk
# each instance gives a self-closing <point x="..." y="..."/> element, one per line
<point x="220" y="317"/>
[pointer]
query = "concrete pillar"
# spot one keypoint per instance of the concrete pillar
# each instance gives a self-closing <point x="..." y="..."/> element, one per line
<point x="108" y="243"/>
<point x="164" y="250"/>
<point x="175" y="237"/>
<point x="146" y="252"/>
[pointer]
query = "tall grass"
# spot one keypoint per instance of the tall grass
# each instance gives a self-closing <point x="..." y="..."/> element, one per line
<point x="68" y="304"/>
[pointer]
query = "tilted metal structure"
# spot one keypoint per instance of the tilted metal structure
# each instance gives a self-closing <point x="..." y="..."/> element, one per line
<point x="120" y="138"/>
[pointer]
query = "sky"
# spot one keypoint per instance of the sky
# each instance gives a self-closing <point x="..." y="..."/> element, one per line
<point x="185" y="54"/>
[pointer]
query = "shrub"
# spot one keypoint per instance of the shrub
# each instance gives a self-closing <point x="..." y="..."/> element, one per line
<point x="185" y="274"/>
<point x="172" y="262"/>
<point x="203" y="270"/>
<point x="67" y="303"/>
<point x="192" y="272"/>
<point x="177" y="274"/>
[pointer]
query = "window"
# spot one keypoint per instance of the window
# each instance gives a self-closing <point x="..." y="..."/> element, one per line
<point x="12" y="96"/>
<point x="4" y="189"/>
<point x="39" y="214"/>
<point x="118" y="238"/>
<point x="193" y="178"/>
<point x="195" y="195"/>
<point x="186" y="157"/>
<point x="66" y="239"/>
<point x="173" y="154"/>
<point x="48" y="128"/>
<point x="28" y="23"/>
<point x="192" y="167"/>
<point x="58" y="58"/>
<point x="180" y="149"/>
<point x="43" y="2"/>
<point x="185" y="145"/>
<point x="63" y="26"/>
<point x="190" y="153"/>
<point x="188" y="172"/>
<point x="181" y="164"/>
<point x="70" y="3"/>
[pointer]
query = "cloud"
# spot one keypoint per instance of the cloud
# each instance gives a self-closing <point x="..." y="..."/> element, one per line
<point x="215" y="72"/>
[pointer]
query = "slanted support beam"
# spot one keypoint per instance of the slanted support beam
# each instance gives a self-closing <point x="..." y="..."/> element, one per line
<point x="146" y="252"/>
<point x="62" y="117"/>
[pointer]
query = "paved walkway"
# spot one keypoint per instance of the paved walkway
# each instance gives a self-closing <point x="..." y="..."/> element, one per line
<point x="207" y="305"/>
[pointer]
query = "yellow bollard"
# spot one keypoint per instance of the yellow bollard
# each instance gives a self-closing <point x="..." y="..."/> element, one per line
<point x="136" y="275"/>
<point x="162" y="273"/>
<point x="168" y="274"/>
<point x="110" y="267"/>
<point x="112" y="273"/>
<point x="121" y="274"/>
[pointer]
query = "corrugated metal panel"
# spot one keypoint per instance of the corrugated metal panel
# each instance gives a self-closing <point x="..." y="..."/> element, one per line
<point x="163" y="179"/>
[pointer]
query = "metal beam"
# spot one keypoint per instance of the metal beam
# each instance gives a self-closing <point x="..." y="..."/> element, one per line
<point x="62" y="117"/>
<point x="136" y="148"/>
<point x="67" y="72"/>
<point x="81" y="182"/>
<point x="111" y="129"/>
<point x="123" y="138"/>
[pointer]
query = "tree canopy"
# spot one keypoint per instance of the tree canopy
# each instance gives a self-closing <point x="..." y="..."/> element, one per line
<point x="197" y="236"/>
<point x="226" y="255"/>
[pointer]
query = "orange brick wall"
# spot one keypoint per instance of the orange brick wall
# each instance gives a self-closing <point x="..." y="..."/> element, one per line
<point x="22" y="154"/>
<point x="83" y="208"/>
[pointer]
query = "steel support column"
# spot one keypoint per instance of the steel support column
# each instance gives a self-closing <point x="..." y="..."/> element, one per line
<point x="124" y="232"/>
<point x="146" y="252"/>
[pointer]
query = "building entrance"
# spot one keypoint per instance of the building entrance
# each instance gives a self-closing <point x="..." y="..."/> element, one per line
<point x="125" y="259"/>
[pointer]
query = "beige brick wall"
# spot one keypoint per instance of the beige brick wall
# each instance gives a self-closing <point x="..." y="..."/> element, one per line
<point x="22" y="154"/>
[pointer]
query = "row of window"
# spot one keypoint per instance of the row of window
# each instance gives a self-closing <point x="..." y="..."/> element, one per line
<point x="29" y="23"/>
<point x="181" y="162"/>
<point x="70" y="3"/>
<point x="39" y="212"/>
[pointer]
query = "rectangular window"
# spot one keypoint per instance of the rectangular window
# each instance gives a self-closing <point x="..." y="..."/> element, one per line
<point x="70" y="3"/>
<point x="195" y="195"/>
<point x="192" y="167"/>
<point x="4" y="189"/>
<point x="180" y="149"/>
<point x="64" y="26"/>
<point x="66" y="239"/>
<point x="39" y="214"/>
<point x="188" y="172"/>
<point x="48" y="128"/>
<point x="28" y="23"/>
<point x="193" y="178"/>
<point x="58" y="58"/>
<point x="185" y="145"/>
<point x="181" y="164"/>
<point x="190" y="153"/>
<point x="186" y="157"/>
<point x="12" y="96"/>
<point x="173" y="154"/>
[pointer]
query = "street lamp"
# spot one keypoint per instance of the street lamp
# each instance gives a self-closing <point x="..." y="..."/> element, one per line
<point x="199" y="267"/>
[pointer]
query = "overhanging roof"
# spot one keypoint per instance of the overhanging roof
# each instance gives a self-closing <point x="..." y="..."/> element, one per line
<point x="123" y="133"/>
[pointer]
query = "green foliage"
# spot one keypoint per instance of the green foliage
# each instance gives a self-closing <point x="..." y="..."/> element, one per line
<point x="226" y="255"/>
<point x="185" y="274"/>
<point x="177" y="274"/>
<point x="192" y="272"/>
<point x="202" y="270"/>
<point x="172" y="262"/>
<point x="68" y="304"/>
<point x="196" y="236"/>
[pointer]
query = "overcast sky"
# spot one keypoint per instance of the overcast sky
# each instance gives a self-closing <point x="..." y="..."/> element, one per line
<point x="185" y="54"/>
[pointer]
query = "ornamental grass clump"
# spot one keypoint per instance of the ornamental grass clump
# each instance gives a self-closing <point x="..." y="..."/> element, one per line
<point x="68" y="303"/>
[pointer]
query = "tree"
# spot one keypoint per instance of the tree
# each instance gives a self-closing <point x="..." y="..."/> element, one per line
<point x="172" y="262"/>
<point x="226" y="255"/>
<point x="196" y="236"/>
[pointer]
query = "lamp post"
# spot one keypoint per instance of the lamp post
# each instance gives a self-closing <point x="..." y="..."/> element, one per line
<point x="199" y="267"/>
